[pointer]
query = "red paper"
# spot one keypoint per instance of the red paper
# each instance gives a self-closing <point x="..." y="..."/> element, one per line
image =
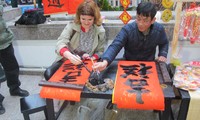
<point x="64" y="93"/>
<point x="60" y="6"/>
<point x="151" y="97"/>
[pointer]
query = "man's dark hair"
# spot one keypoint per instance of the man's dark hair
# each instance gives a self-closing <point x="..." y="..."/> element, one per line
<point x="146" y="9"/>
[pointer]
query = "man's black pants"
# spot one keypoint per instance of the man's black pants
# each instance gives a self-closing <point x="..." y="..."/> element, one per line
<point x="11" y="67"/>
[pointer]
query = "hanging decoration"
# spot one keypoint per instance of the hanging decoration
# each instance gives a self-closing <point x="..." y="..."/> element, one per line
<point x="190" y="24"/>
<point x="177" y="26"/>
<point x="167" y="3"/>
<point x="60" y="6"/>
<point x="125" y="3"/>
<point x="167" y="13"/>
<point x="125" y="17"/>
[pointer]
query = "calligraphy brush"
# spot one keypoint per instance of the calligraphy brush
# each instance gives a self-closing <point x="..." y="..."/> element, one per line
<point x="70" y="48"/>
<point x="97" y="75"/>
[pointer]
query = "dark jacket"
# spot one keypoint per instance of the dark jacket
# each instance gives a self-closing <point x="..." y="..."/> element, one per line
<point x="136" y="45"/>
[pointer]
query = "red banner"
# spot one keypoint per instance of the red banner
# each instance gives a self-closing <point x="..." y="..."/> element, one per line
<point x="137" y="86"/>
<point x="60" y="6"/>
<point x="71" y="74"/>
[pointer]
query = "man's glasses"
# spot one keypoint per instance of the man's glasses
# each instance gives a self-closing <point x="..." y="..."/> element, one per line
<point x="143" y="20"/>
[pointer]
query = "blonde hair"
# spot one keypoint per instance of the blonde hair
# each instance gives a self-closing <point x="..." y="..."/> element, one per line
<point x="88" y="8"/>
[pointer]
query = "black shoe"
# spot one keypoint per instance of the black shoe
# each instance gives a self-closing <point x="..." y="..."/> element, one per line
<point x="2" y="109"/>
<point x="19" y="92"/>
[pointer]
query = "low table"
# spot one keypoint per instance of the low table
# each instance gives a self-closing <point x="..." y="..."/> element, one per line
<point x="110" y="72"/>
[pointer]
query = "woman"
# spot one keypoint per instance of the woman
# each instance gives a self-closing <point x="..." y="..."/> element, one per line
<point x="85" y="37"/>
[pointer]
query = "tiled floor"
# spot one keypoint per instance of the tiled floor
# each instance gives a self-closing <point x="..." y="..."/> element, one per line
<point x="12" y="103"/>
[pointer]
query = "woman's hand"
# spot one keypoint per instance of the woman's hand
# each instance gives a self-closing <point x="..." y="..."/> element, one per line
<point x="86" y="56"/>
<point x="75" y="59"/>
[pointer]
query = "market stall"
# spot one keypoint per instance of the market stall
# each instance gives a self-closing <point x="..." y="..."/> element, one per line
<point x="186" y="75"/>
<point x="187" y="27"/>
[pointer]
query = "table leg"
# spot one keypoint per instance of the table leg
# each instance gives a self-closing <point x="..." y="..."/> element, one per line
<point x="167" y="113"/>
<point x="50" y="109"/>
<point x="185" y="101"/>
<point x="65" y="103"/>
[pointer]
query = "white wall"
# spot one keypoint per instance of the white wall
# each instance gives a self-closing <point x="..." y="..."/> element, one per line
<point x="41" y="53"/>
<point x="35" y="53"/>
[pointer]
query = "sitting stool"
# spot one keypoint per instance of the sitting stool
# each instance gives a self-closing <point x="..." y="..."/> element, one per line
<point x="32" y="104"/>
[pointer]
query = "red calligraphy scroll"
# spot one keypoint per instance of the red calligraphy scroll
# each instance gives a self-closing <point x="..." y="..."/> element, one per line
<point x="60" y="6"/>
<point x="135" y="89"/>
<point x="64" y="93"/>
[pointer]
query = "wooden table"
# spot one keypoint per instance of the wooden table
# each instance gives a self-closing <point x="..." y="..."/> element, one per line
<point x="110" y="72"/>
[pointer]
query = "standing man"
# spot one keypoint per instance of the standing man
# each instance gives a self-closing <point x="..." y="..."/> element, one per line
<point x="2" y="79"/>
<point x="139" y="39"/>
<point x="9" y="62"/>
